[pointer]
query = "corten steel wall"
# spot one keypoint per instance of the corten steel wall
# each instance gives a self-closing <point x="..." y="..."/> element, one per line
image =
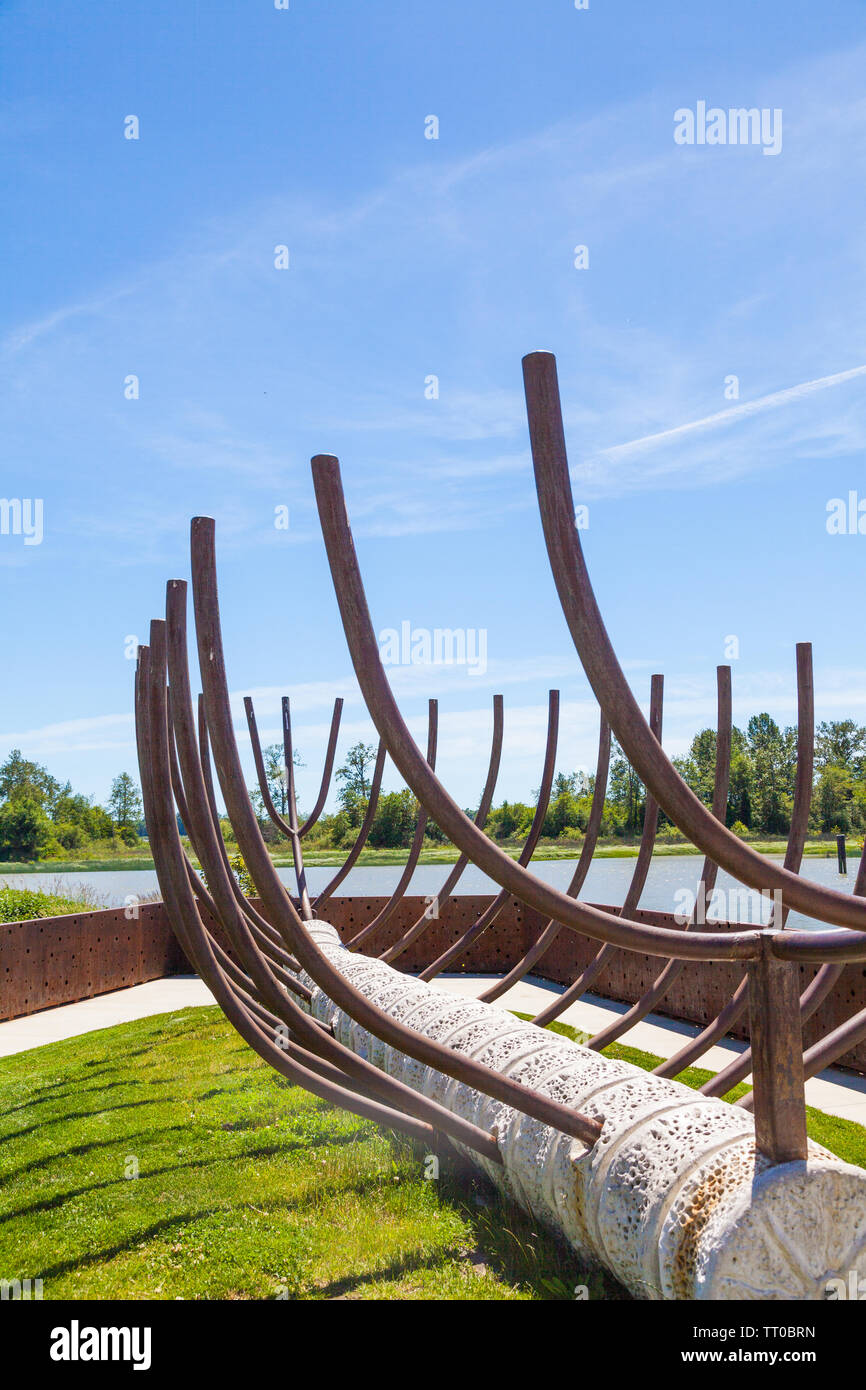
<point x="58" y="960"/>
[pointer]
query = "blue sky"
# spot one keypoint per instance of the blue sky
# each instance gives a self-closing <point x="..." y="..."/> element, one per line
<point x="411" y="257"/>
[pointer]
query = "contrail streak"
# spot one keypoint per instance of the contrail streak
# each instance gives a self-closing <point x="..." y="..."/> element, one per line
<point x="736" y="412"/>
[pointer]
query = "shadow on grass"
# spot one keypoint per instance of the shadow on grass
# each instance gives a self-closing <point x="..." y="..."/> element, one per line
<point x="263" y="1151"/>
<point x="80" y="1115"/>
<point x="397" y="1269"/>
<point x="362" y="1187"/>
<point x="510" y="1242"/>
<point x="66" y="1083"/>
<point x="79" y="1150"/>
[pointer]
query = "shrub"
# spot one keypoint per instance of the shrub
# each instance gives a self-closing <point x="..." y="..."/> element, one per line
<point x="24" y="905"/>
<point x="242" y="874"/>
<point x="70" y="835"/>
<point x="25" y="831"/>
<point x="394" y="822"/>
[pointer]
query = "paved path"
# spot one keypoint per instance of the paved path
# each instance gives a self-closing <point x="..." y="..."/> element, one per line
<point x="833" y="1091"/>
<point x="120" y="1006"/>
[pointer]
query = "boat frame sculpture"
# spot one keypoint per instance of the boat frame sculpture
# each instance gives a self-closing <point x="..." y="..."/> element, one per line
<point x="679" y="1194"/>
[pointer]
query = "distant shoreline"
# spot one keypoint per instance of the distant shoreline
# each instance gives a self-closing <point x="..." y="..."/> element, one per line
<point x="332" y="858"/>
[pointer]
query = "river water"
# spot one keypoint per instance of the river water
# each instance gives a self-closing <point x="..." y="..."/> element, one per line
<point x="606" y="882"/>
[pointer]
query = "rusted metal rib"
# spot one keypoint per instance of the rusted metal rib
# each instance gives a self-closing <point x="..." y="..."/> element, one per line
<point x="593" y="825"/>
<point x="289" y="1061"/>
<point x="739" y="1001"/>
<point x="289" y="828"/>
<point x="492" y="911"/>
<point x="297" y="850"/>
<point x="262" y="929"/>
<point x="261" y="775"/>
<point x="685" y="809"/>
<point x="456" y="873"/>
<point x="334" y="734"/>
<point x="386" y="913"/>
<point x="811" y="999"/>
<point x="364" y="831"/>
<point x="833" y="1045"/>
<point x="447" y="814"/>
<point x="720" y="1084"/>
<point x="300" y="1023"/>
<point x="636" y="886"/>
<point x="252" y="957"/>
<point x="706" y="882"/>
<point x="266" y="938"/>
<point x="278" y="905"/>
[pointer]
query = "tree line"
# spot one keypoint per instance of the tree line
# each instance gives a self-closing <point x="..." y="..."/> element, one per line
<point x="760" y="793"/>
<point x="41" y="818"/>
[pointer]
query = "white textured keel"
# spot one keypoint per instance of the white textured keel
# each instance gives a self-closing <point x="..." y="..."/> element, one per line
<point x="673" y="1198"/>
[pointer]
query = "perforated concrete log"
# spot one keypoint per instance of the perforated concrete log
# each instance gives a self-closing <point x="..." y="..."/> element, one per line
<point x="673" y="1199"/>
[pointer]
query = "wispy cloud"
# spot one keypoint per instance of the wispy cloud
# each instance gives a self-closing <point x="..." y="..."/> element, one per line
<point x="789" y="396"/>
<point x="25" y="334"/>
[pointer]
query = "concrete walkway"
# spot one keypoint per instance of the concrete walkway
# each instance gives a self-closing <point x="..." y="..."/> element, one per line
<point x="120" y="1006"/>
<point x="833" y="1091"/>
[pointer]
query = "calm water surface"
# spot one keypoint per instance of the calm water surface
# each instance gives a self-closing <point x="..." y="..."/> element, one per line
<point x="606" y="882"/>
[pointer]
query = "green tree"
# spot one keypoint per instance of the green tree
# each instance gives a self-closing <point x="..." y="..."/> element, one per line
<point x="564" y="784"/>
<point x="833" y="804"/>
<point x="21" y="778"/>
<point x="739" y="782"/>
<point x="702" y="764"/>
<point x="563" y="815"/>
<point x="355" y="786"/>
<point x="773" y="757"/>
<point x="25" y="831"/>
<point x="353" y="773"/>
<point x="273" y="758"/>
<point x="125" y="806"/>
<point x="508" y="820"/>
<point x="698" y="770"/>
<point x="840" y="743"/>
<point x="394" y="822"/>
<point x="74" y="809"/>
<point x="626" y="790"/>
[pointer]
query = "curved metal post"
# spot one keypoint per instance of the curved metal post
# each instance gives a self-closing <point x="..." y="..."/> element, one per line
<point x="456" y="824"/>
<point x="706" y="882"/>
<point x="678" y="801"/>
<point x="456" y="873"/>
<point x="489" y="915"/>
<point x="386" y="913"/>
<point x="279" y="906"/>
<point x="739" y="1000"/>
<point x="593" y="825"/>
<point x="638" y="879"/>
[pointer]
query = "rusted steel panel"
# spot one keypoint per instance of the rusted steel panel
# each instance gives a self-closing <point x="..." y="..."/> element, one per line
<point x="57" y="960"/>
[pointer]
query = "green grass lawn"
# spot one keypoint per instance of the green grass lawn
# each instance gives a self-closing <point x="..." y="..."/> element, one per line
<point x="247" y="1187"/>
